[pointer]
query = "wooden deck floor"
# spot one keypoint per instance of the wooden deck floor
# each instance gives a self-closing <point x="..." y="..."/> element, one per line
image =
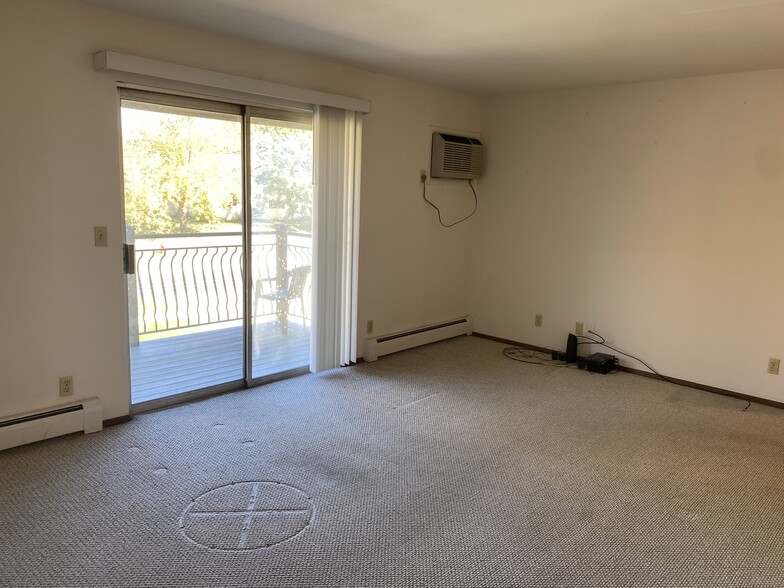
<point x="181" y="363"/>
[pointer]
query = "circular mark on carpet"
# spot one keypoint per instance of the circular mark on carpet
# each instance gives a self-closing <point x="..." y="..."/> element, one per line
<point x="161" y="471"/>
<point x="134" y="450"/>
<point x="246" y="515"/>
<point x="218" y="426"/>
<point x="248" y="443"/>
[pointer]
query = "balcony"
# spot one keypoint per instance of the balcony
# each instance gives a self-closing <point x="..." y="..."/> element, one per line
<point x="187" y="297"/>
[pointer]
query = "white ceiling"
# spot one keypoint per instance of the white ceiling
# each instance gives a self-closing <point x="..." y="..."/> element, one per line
<point x="502" y="46"/>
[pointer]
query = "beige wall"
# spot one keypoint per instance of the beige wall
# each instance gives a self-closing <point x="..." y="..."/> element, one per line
<point x="655" y="211"/>
<point x="62" y="300"/>
<point x="652" y="210"/>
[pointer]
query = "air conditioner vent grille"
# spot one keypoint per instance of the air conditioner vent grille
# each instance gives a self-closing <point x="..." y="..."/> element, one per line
<point x="456" y="157"/>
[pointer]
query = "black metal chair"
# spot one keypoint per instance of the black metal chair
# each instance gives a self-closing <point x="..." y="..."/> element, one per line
<point x="293" y="290"/>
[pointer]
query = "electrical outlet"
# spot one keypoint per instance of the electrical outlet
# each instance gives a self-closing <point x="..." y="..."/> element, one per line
<point x="538" y="320"/>
<point x="578" y="328"/>
<point x="101" y="240"/>
<point x="370" y="327"/>
<point x="773" y="366"/>
<point x="66" y="386"/>
<point x="590" y="328"/>
<point x="423" y="175"/>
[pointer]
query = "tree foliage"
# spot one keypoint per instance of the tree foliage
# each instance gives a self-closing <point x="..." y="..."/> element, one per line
<point x="283" y="174"/>
<point x="181" y="173"/>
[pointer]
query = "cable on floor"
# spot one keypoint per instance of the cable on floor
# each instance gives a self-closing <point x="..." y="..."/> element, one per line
<point x="535" y="357"/>
<point x="603" y="343"/>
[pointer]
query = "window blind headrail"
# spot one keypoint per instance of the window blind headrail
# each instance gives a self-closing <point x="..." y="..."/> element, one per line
<point x="111" y="61"/>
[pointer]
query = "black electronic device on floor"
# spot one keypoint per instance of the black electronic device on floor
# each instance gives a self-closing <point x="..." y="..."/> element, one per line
<point x="571" y="349"/>
<point x="598" y="363"/>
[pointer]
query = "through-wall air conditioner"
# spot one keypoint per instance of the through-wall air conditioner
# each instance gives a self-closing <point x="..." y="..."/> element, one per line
<point x="457" y="157"/>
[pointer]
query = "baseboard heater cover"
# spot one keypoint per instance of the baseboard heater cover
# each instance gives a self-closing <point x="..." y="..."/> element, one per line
<point x="83" y="415"/>
<point x="394" y="342"/>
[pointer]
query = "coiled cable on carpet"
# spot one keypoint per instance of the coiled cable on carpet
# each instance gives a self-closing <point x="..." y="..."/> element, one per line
<point x="535" y="357"/>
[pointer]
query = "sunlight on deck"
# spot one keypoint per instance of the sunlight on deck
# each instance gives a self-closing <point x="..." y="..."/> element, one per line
<point x="181" y="363"/>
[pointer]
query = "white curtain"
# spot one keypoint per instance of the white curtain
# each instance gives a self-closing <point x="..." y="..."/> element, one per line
<point x="338" y="147"/>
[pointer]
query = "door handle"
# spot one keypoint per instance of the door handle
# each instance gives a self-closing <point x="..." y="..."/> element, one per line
<point x="129" y="258"/>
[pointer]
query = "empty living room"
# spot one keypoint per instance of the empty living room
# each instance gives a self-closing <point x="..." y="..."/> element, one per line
<point x="407" y="294"/>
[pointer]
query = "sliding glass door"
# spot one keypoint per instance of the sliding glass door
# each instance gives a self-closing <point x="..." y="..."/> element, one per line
<point x="280" y="234"/>
<point x="218" y="202"/>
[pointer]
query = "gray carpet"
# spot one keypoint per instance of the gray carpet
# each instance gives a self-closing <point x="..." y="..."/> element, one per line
<point x="448" y="465"/>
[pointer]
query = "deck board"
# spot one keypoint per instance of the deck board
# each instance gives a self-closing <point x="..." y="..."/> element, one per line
<point x="181" y="363"/>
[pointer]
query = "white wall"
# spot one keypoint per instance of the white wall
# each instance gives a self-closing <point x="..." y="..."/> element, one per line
<point x="655" y="211"/>
<point x="62" y="300"/>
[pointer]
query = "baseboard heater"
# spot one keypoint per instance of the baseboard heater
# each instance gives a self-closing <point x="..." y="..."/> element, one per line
<point x="84" y="415"/>
<point x="395" y="342"/>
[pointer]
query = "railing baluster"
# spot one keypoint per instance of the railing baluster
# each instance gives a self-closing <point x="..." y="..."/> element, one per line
<point x="174" y="286"/>
<point x="140" y="288"/>
<point x="185" y="289"/>
<point x="172" y="296"/>
<point x="223" y="280"/>
<point x="152" y="293"/>
<point x="214" y="285"/>
<point x="163" y="286"/>
<point x="236" y="288"/>
<point x="196" y="286"/>
<point x="206" y="304"/>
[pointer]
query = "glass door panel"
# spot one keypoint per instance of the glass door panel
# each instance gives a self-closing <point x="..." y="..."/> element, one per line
<point x="281" y="244"/>
<point x="183" y="213"/>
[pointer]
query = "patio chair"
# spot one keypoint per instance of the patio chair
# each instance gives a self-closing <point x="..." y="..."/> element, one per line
<point x="294" y="289"/>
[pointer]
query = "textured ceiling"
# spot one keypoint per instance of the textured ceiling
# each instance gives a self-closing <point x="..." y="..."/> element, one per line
<point x="502" y="46"/>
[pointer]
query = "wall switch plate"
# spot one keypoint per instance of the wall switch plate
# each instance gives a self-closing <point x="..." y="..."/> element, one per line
<point x="578" y="328"/>
<point x="370" y="327"/>
<point x="101" y="240"/>
<point x="538" y="320"/>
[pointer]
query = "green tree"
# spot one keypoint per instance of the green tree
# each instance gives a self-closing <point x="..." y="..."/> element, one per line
<point x="282" y="160"/>
<point x="181" y="172"/>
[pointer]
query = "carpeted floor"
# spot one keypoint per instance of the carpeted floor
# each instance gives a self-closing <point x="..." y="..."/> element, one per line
<point x="447" y="465"/>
